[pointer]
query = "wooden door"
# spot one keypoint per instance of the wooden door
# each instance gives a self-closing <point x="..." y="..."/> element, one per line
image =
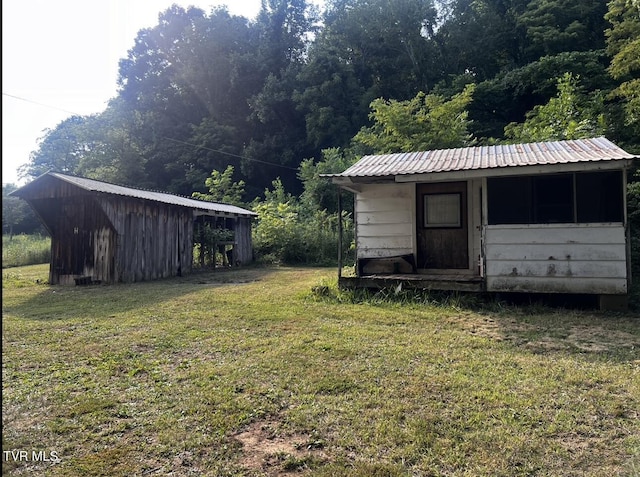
<point x="442" y="226"/>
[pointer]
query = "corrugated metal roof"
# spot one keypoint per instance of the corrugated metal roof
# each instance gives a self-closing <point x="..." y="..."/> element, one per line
<point x="486" y="157"/>
<point x="107" y="188"/>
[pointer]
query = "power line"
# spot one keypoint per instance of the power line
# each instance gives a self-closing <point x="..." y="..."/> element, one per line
<point x="230" y="154"/>
<point x="40" y="104"/>
<point x="164" y="137"/>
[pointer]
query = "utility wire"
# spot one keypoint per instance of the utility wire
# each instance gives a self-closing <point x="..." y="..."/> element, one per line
<point x="164" y="137"/>
<point x="41" y="104"/>
<point x="230" y="154"/>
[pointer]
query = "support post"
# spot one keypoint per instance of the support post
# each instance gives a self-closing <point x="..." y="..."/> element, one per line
<point x="339" y="234"/>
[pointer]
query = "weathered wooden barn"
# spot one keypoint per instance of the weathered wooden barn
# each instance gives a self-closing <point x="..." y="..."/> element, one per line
<point x="105" y="233"/>
<point x="545" y="217"/>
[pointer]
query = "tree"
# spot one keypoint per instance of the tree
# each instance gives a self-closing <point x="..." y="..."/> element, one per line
<point x="425" y="122"/>
<point x="59" y="150"/>
<point x="329" y="96"/>
<point x="480" y="38"/>
<point x="623" y="44"/>
<point x="222" y="188"/>
<point x="186" y="79"/>
<point x="17" y="216"/>
<point x="554" y="26"/>
<point x="278" y="134"/>
<point x="319" y="193"/>
<point x="387" y="43"/>
<point x="569" y="115"/>
<point x="507" y="97"/>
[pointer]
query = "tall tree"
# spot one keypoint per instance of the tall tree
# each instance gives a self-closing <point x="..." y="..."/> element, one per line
<point x="569" y="115"/>
<point x="17" y="216"/>
<point x="554" y="26"/>
<point x="508" y="96"/>
<point x="182" y="77"/>
<point x="623" y="44"/>
<point x="422" y="123"/>
<point x="59" y="150"/>
<point x="480" y="38"/>
<point x="329" y="96"/>
<point x="387" y="43"/>
<point x="278" y="139"/>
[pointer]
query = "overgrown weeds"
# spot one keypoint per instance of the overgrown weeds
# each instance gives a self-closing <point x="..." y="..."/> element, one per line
<point x="23" y="250"/>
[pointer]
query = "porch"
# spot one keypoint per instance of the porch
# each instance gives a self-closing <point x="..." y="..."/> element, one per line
<point x="453" y="282"/>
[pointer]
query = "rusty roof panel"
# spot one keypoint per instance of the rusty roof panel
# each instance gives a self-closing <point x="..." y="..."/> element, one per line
<point x="487" y="157"/>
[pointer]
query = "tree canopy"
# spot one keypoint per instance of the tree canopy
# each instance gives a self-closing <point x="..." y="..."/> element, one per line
<point x="205" y="92"/>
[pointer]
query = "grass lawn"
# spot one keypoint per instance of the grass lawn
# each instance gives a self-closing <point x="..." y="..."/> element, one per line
<point x="252" y="373"/>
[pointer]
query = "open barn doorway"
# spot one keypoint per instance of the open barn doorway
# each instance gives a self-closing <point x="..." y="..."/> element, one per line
<point x="213" y="242"/>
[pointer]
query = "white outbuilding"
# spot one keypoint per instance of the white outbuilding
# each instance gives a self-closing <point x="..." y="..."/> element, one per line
<point x="547" y="217"/>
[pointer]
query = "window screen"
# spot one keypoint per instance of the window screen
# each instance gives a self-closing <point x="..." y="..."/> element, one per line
<point x="550" y="198"/>
<point x="553" y="199"/>
<point x="510" y="200"/>
<point x="599" y="196"/>
<point x="442" y="210"/>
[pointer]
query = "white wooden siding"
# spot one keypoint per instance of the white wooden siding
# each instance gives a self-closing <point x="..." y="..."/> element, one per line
<point x="567" y="258"/>
<point x="385" y="220"/>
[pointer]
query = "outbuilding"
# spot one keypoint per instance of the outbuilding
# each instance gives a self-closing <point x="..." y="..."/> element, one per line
<point x="547" y="217"/>
<point x="106" y="233"/>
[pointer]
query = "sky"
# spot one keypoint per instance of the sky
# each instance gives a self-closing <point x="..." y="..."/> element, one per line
<point x="60" y="58"/>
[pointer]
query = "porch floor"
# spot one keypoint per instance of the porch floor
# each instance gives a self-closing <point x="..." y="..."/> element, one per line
<point x="468" y="283"/>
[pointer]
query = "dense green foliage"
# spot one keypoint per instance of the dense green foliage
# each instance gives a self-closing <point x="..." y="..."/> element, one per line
<point x="22" y="250"/>
<point x="203" y="91"/>
<point x="17" y="216"/>
<point x="207" y="100"/>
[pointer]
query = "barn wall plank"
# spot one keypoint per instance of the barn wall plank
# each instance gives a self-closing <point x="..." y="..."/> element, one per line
<point x="119" y="238"/>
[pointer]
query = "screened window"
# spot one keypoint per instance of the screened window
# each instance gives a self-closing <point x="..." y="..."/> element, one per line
<point x="600" y="196"/>
<point x="442" y="210"/>
<point x="553" y="199"/>
<point x="584" y="197"/>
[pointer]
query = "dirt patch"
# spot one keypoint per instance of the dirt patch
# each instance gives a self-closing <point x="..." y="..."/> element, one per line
<point x="589" y="338"/>
<point x="597" y="338"/>
<point x="266" y="448"/>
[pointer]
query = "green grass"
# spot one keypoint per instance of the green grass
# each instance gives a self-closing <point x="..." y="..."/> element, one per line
<point x="271" y="371"/>
<point x="22" y="250"/>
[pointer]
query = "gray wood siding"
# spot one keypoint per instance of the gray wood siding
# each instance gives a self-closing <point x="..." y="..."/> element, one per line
<point x="110" y="237"/>
<point x="574" y="258"/>
<point x="385" y="220"/>
<point x="243" y="247"/>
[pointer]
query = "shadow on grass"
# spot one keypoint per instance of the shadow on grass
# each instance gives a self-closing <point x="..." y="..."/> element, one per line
<point x="103" y="301"/>
<point x="591" y="335"/>
<point x="562" y="325"/>
<point x="558" y="325"/>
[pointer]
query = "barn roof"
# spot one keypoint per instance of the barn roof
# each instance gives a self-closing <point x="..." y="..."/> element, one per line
<point x="486" y="158"/>
<point x="92" y="185"/>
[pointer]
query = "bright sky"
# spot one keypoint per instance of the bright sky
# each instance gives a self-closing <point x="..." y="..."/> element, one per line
<point x="60" y="58"/>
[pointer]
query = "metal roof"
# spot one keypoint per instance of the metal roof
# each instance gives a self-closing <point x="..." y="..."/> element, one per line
<point x="107" y="188"/>
<point x="486" y="157"/>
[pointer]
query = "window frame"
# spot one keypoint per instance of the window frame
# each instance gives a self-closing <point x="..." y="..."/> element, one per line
<point x="442" y="225"/>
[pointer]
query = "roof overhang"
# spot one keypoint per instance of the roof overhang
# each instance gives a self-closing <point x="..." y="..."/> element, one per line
<point x="355" y="183"/>
<point x="440" y="165"/>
